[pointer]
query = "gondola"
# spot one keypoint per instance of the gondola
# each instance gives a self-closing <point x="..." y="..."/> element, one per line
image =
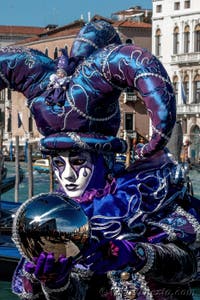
<point x="9" y="255"/>
<point x="8" y="183"/>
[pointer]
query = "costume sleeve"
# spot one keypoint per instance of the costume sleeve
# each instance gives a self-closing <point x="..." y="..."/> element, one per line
<point x="25" y="286"/>
<point x="172" y="263"/>
<point x="75" y="290"/>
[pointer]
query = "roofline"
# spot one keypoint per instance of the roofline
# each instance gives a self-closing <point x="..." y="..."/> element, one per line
<point x="40" y="41"/>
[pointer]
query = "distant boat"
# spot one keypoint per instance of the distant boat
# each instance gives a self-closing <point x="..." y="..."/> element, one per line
<point x="9" y="259"/>
<point x="3" y="172"/>
<point x="9" y="254"/>
<point x="41" y="165"/>
<point x="7" y="183"/>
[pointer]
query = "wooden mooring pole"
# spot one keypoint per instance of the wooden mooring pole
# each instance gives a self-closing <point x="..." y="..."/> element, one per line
<point x="17" y="179"/>
<point x="51" y="176"/>
<point x="30" y="172"/>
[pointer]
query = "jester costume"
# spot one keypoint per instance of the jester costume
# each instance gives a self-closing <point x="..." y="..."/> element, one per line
<point x="145" y="222"/>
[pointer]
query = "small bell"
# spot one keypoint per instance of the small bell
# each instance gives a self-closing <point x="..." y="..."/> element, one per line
<point x="125" y="276"/>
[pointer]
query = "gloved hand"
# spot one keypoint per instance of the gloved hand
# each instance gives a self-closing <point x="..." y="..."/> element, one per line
<point x="52" y="274"/>
<point x="114" y="255"/>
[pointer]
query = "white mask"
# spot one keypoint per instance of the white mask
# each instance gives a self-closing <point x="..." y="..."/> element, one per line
<point x="74" y="171"/>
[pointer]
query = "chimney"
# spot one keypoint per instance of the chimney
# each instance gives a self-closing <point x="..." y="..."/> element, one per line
<point x="89" y="16"/>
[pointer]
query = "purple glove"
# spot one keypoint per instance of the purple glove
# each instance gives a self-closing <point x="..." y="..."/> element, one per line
<point x="114" y="255"/>
<point x="51" y="273"/>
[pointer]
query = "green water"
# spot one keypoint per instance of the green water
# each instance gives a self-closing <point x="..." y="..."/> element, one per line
<point x="5" y="291"/>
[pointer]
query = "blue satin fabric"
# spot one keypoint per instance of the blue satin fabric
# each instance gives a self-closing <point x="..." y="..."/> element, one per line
<point x="66" y="141"/>
<point x="26" y="70"/>
<point x="90" y="102"/>
<point x="141" y="197"/>
<point x="93" y="36"/>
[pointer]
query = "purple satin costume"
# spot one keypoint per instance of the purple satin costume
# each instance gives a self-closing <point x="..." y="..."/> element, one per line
<point x="142" y="203"/>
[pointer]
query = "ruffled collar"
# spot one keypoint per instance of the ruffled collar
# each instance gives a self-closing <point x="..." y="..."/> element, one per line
<point x="89" y="195"/>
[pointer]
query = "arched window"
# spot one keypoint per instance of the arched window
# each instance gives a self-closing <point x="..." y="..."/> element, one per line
<point x="56" y="53"/>
<point x="158" y="42"/>
<point x="175" y="84"/>
<point x="197" y="38"/>
<point x="176" y="41"/>
<point x="186" y="39"/>
<point x="186" y="87"/>
<point x="46" y="52"/>
<point x="196" y="84"/>
<point x="129" y="41"/>
<point x="9" y="94"/>
<point x="195" y="143"/>
<point x="9" y="123"/>
<point x="30" y="123"/>
<point x="66" y="48"/>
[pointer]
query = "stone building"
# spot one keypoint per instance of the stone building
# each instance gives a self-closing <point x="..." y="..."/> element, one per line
<point x="10" y="35"/>
<point x="176" y="42"/>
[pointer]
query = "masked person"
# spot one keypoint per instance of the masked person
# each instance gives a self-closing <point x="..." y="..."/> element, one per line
<point x="145" y="227"/>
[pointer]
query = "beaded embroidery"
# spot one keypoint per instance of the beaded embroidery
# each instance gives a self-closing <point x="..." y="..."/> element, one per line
<point x="126" y="284"/>
<point x="145" y="251"/>
<point x="193" y="221"/>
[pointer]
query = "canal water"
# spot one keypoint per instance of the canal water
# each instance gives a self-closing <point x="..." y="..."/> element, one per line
<point x="41" y="185"/>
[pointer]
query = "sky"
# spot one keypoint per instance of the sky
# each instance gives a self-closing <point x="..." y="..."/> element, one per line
<point x="60" y="12"/>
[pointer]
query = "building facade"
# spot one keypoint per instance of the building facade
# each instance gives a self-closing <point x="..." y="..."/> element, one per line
<point x="176" y="42"/>
<point x="10" y="35"/>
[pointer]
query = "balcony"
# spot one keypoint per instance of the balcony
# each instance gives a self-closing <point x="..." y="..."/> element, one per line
<point x="188" y="109"/>
<point x="130" y="97"/>
<point x="185" y="58"/>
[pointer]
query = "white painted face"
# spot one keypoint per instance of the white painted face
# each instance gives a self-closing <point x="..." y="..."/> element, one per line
<point x="74" y="171"/>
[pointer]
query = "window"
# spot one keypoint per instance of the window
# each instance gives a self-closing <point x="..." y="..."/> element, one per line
<point x="46" y="52"/>
<point x="1" y="117"/>
<point x="56" y="53"/>
<point x="30" y="124"/>
<point x="184" y="126"/>
<point x="158" y="8"/>
<point x="9" y="126"/>
<point x="176" y="41"/>
<point x="186" y="39"/>
<point x="197" y="38"/>
<point x="187" y="4"/>
<point x="2" y="95"/>
<point x="158" y="43"/>
<point x="128" y="122"/>
<point x="186" y="87"/>
<point x="129" y="41"/>
<point x="175" y="84"/>
<point x="9" y="94"/>
<point x="176" y="5"/>
<point x="196" y="97"/>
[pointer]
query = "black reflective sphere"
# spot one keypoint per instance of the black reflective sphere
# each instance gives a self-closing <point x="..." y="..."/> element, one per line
<point x="51" y="223"/>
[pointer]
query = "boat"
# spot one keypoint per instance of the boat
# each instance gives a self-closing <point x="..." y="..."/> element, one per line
<point x="3" y="172"/>
<point x="8" y="183"/>
<point x="9" y="259"/>
<point x="41" y="165"/>
<point x="9" y="254"/>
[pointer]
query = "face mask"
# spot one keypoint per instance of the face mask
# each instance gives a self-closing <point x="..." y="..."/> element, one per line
<point x="74" y="171"/>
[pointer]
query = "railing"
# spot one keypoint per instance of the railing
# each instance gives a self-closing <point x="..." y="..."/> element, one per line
<point x="185" y="58"/>
<point x="188" y="109"/>
<point x="130" y="97"/>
